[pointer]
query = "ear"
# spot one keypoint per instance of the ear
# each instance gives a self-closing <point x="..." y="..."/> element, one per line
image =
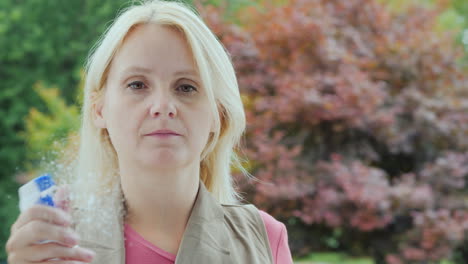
<point x="97" y="111"/>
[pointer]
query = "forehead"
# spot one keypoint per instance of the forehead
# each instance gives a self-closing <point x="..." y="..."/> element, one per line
<point x="159" y="48"/>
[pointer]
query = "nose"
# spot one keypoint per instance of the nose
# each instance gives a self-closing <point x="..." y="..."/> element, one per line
<point x="163" y="106"/>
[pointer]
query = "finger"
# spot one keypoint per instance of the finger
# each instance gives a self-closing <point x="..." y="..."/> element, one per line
<point x="53" y="251"/>
<point x="15" y="260"/>
<point x="36" y="231"/>
<point x="42" y="213"/>
<point x="82" y="256"/>
<point x="60" y="262"/>
<point x="19" y="258"/>
<point x="56" y="262"/>
<point x="62" y="198"/>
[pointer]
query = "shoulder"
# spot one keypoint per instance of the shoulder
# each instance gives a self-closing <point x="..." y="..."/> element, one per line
<point x="245" y="217"/>
<point x="278" y="238"/>
<point x="275" y="230"/>
<point x="273" y="227"/>
<point x="242" y="211"/>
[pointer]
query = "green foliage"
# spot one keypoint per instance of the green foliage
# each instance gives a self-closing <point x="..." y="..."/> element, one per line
<point x="450" y="19"/>
<point x="39" y="40"/>
<point x="45" y="132"/>
<point x="461" y="254"/>
<point x="455" y="17"/>
<point x="9" y="209"/>
<point x="401" y="6"/>
<point x="461" y="7"/>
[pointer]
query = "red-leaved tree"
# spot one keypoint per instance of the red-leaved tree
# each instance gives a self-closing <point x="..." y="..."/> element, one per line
<point x="357" y="121"/>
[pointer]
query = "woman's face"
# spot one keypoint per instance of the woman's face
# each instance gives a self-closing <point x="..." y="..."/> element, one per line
<point x="154" y="108"/>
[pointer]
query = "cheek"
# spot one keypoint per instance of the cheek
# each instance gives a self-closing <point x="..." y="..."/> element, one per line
<point x="201" y="126"/>
<point x="123" y="119"/>
<point x="122" y="108"/>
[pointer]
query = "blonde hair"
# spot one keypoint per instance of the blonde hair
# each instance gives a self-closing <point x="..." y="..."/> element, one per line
<point x="97" y="160"/>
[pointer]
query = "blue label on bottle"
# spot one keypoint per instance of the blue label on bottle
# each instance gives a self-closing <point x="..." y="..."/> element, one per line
<point x="46" y="200"/>
<point x="44" y="182"/>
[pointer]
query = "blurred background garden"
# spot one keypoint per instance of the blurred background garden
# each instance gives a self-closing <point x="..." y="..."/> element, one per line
<point x="357" y="115"/>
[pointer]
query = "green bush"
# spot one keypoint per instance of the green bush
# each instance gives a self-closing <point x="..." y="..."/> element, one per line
<point x="46" y="134"/>
<point x="39" y="40"/>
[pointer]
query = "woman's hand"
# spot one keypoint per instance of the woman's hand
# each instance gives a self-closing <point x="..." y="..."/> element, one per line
<point x="44" y="223"/>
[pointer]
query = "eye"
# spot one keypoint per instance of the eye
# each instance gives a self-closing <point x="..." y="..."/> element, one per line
<point x="136" y="85"/>
<point x="186" y="88"/>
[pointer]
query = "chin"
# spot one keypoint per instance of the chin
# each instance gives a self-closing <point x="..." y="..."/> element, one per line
<point x="163" y="159"/>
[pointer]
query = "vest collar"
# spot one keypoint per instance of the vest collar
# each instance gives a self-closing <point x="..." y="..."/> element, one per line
<point x="204" y="239"/>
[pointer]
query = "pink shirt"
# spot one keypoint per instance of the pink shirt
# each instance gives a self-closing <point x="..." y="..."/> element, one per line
<point x="138" y="250"/>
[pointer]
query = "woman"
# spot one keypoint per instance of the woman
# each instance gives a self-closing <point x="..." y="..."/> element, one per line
<point x="161" y="117"/>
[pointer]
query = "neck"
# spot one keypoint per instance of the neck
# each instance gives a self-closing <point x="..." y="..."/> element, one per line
<point x="159" y="202"/>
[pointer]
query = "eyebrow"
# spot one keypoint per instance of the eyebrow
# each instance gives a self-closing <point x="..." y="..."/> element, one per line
<point x="138" y="69"/>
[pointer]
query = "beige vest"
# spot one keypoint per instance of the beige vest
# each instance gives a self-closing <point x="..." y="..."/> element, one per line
<point x="215" y="233"/>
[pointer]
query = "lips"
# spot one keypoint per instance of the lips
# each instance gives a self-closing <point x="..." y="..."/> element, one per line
<point x="163" y="132"/>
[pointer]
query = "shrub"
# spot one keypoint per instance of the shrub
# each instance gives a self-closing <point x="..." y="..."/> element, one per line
<point x="358" y="120"/>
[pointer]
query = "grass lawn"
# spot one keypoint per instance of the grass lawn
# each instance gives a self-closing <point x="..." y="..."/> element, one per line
<point x="332" y="258"/>
<point x="337" y="258"/>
